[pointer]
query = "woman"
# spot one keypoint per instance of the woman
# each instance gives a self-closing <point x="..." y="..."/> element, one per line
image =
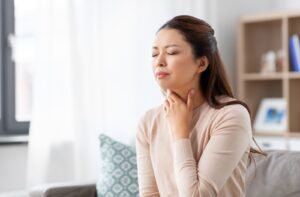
<point x="198" y="142"/>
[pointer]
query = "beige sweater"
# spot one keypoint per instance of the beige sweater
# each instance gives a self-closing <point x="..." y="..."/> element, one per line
<point x="212" y="162"/>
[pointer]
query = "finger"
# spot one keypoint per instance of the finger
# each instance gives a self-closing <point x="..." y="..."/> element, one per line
<point x="171" y="100"/>
<point x="174" y="97"/>
<point x="168" y="92"/>
<point x="171" y="104"/>
<point x="166" y="105"/>
<point x="190" y="103"/>
<point x="169" y="97"/>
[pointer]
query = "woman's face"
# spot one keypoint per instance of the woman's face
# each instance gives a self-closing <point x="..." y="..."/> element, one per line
<point x="173" y="63"/>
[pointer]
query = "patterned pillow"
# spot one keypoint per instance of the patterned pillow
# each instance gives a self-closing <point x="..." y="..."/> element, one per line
<point x="119" y="169"/>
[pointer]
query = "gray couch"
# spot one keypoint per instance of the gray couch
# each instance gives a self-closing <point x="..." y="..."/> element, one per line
<point x="277" y="175"/>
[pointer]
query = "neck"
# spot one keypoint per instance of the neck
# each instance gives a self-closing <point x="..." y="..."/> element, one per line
<point x="198" y="98"/>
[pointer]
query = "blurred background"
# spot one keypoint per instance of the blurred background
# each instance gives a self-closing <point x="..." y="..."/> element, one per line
<point x="72" y="69"/>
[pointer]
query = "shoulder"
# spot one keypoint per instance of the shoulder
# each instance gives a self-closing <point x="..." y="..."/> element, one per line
<point x="147" y="122"/>
<point x="234" y="114"/>
<point x="233" y="108"/>
<point x="151" y="114"/>
<point x="149" y="118"/>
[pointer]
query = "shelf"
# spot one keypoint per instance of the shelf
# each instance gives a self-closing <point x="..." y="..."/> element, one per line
<point x="270" y="134"/>
<point x="263" y="17"/>
<point x="255" y="91"/>
<point x="294" y="134"/>
<point x="294" y="75"/>
<point x="270" y="76"/>
<point x="293" y="28"/>
<point x="269" y="33"/>
<point x="293" y="14"/>
<point x="258" y="35"/>
<point x="294" y="109"/>
<point x="263" y="76"/>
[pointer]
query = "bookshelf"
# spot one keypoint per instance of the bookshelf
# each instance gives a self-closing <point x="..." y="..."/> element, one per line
<point x="258" y="34"/>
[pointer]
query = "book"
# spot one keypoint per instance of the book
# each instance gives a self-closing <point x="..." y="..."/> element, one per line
<point x="294" y="45"/>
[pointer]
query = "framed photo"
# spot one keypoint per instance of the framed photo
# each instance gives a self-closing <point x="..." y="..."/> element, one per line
<point x="271" y="116"/>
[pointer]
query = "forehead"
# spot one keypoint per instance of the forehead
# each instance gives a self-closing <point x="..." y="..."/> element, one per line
<point x="169" y="37"/>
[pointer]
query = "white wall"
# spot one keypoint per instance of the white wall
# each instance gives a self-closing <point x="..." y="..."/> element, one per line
<point x="134" y="56"/>
<point x="13" y="165"/>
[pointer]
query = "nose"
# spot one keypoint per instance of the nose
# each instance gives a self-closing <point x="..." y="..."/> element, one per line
<point x="160" y="61"/>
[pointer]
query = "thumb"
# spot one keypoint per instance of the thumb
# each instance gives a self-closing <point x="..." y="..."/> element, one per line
<point x="168" y="92"/>
<point x="190" y="99"/>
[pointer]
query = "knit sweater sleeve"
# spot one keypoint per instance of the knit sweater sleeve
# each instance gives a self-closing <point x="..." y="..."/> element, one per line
<point x="230" y="139"/>
<point x="146" y="177"/>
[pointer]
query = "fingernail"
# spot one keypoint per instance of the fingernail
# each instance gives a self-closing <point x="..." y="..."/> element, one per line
<point x="168" y="92"/>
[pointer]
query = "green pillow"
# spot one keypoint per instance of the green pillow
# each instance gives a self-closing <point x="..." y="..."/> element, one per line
<point x="119" y="169"/>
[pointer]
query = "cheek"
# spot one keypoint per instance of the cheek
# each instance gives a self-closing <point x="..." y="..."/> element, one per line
<point x="184" y="67"/>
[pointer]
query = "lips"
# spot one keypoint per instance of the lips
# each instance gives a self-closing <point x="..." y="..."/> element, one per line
<point x="161" y="74"/>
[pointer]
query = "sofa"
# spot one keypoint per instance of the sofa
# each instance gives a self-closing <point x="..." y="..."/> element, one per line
<point x="276" y="175"/>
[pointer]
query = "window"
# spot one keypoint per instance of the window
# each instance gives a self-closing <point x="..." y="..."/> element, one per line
<point x="17" y="47"/>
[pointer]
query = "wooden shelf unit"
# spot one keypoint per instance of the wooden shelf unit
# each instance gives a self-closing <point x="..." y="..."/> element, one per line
<point x="257" y="35"/>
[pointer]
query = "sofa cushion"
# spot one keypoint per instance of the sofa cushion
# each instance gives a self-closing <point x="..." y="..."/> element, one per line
<point x="119" y="169"/>
<point x="276" y="175"/>
<point x="67" y="189"/>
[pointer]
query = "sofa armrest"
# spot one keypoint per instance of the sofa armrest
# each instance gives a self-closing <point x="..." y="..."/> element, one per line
<point x="64" y="190"/>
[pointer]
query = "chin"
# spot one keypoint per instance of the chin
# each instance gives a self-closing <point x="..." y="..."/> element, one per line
<point x="171" y="84"/>
<point x="164" y="87"/>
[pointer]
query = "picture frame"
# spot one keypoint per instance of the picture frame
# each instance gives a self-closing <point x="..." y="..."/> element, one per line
<point x="271" y="115"/>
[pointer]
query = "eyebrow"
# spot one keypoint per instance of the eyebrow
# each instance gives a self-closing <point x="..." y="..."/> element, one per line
<point x="167" y="46"/>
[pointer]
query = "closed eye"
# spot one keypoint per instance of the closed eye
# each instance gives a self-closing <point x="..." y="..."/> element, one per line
<point x="172" y="53"/>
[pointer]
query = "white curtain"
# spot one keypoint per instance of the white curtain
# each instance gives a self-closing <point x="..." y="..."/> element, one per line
<point x="92" y="75"/>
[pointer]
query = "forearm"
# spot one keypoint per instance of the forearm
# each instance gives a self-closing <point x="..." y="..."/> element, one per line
<point x="147" y="182"/>
<point x="146" y="178"/>
<point x="188" y="181"/>
<point x="184" y="166"/>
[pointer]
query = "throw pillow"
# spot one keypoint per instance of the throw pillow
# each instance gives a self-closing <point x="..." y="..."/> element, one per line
<point x="119" y="169"/>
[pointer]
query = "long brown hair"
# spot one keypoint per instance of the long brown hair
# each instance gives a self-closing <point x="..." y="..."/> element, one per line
<point x="213" y="81"/>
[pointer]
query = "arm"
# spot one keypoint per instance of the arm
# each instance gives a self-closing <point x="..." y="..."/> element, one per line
<point x="229" y="140"/>
<point x="146" y="178"/>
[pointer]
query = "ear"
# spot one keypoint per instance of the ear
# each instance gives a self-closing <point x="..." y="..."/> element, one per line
<point x="202" y="63"/>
